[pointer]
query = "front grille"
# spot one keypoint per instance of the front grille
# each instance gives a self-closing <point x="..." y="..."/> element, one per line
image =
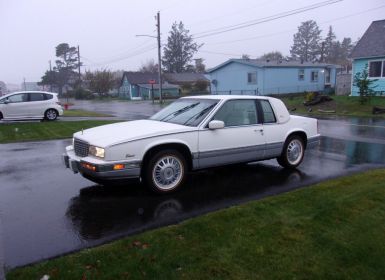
<point x="81" y="148"/>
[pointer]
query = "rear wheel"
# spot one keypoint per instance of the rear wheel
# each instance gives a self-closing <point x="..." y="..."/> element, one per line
<point x="51" y="114"/>
<point x="1" y="115"/>
<point x="293" y="152"/>
<point x="165" y="171"/>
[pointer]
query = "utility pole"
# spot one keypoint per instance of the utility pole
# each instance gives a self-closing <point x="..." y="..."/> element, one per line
<point x="80" y="77"/>
<point x="159" y="59"/>
<point x="50" y="76"/>
<point x="25" y="85"/>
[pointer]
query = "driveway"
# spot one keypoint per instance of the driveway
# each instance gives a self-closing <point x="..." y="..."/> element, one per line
<point x="47" y="211"/>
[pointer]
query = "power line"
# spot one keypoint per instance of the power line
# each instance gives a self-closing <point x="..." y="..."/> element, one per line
<point x="290" y="30"/>
<point x="125" y="53"/>
<point x="230" y="14"/>
<point x="133" y="54"/>
<point x="263" y="20"/>
<point x="220" y="53"/>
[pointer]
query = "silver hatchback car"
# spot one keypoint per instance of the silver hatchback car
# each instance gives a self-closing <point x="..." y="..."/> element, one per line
<point x="30" y="105"/>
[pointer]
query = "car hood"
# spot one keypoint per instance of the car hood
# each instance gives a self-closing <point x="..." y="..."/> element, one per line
<point x="113" y="134"/>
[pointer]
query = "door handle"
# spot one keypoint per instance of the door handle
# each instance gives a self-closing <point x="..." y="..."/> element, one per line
<point x="259" y="130"/>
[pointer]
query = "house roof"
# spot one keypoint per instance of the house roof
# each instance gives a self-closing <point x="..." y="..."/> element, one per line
<point x="272" y="63"/>
<point x="184" y="77"/>
<point x="172" y="78"/>
<point x="372" y="43"/>
<point x="140" y="77"/>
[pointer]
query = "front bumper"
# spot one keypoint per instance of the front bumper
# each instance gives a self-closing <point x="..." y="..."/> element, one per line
<point x="105" y="170"/>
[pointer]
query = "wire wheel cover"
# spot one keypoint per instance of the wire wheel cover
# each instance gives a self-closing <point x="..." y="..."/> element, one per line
<point x="294" y="151"/>
<point x="167" y="172"/>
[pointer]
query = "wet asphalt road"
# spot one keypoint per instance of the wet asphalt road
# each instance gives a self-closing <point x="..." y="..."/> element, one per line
<point x="46" y="210"/>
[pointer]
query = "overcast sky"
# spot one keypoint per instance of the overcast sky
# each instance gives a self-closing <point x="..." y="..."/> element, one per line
<point x="105" y="30"/>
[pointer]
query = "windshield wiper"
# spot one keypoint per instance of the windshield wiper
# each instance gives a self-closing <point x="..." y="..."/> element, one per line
<point x="180" y="111"/>
<point x="199" y="114"/>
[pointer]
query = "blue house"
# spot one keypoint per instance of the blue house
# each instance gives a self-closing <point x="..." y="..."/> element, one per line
<point x="370" y="52"/>
<point x="137" y="86"/>
<point x="265" y="77"/>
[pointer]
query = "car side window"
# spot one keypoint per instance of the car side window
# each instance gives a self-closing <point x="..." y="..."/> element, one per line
<point x="237" y="112"/>
<point x="268" y="113"/>
<point x="36" y="96"/>
<point x="21" y="97"/>
<point x="48" y="96"/>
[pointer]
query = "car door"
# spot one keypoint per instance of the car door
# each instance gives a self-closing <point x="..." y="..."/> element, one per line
<point x="274" y="132"/>
<point x="16" y="106"/>
<point x="241" y="140"/>
<point x="37" y="104"/>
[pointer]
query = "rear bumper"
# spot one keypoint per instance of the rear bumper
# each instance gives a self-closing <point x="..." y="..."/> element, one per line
<point x="105" y="171"/>
<point x="313" y="142"/>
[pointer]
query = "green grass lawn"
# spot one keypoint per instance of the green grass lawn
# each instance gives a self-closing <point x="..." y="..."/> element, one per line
<point x="83" y="113"/>
<point x="37" y="131"/>
<point x="342" y="105"/>
<point x="333" y="230"/>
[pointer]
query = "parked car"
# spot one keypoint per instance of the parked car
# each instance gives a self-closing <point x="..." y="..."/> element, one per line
<point x="192" y="133"/>
<point x="30" y="105"/>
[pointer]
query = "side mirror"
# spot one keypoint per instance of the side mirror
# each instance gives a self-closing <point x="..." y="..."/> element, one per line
<point x="216" y="124"/>
<point x="5" y="101"/>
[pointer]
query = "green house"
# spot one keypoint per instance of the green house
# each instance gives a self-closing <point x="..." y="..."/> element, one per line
<point x="370" y="52"/>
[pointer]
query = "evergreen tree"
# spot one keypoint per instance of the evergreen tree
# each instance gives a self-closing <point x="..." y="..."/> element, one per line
<point x="275" y="55"/>
<point x="179" y="50"/>
<point x="327" y="48"/>
<point x="306" y="45"/>
<point x="64" y="71"/>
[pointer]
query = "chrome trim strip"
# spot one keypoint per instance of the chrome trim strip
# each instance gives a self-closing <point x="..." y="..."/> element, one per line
<point x="237" y="155"/>
<point x="225" y="152"/>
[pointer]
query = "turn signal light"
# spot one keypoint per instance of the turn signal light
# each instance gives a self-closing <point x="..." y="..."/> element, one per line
<point x="89" y="166"/>
<point x="118" y="166"/>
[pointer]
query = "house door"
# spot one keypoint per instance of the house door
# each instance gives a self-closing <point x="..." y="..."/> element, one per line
<point x="327" y="76"/>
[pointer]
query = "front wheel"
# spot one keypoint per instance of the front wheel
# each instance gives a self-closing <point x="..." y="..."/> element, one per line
<point x="51" y="114"/>
<point x="293" y="152"/>
<point x="165" y="171"/>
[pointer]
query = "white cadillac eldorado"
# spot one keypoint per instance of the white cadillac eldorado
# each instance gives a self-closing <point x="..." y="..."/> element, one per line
<point x="192" y="133"/>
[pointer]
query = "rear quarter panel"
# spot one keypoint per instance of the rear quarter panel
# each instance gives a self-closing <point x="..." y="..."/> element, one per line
<point x="278" y="132"/>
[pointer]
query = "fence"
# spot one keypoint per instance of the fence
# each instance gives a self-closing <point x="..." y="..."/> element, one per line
<point x="274" y="90"/>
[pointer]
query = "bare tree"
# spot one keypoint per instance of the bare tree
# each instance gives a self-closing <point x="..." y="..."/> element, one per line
<point x="149" y="67"/>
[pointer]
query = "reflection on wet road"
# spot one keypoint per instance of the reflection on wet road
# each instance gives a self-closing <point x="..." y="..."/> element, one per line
<point x="47" y="211"/>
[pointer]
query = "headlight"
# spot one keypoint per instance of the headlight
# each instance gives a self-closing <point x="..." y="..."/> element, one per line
<point x="96" y="151"/>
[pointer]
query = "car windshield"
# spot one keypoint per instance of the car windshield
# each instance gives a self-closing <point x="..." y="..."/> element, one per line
<point x="188" y="112"/>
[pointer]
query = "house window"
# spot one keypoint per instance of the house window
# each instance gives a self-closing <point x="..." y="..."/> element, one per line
<point x="375" y="68"/>
<point x="314" y="76"/>
<point x="301" y="74"/>
<point x="252" y="78"/>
